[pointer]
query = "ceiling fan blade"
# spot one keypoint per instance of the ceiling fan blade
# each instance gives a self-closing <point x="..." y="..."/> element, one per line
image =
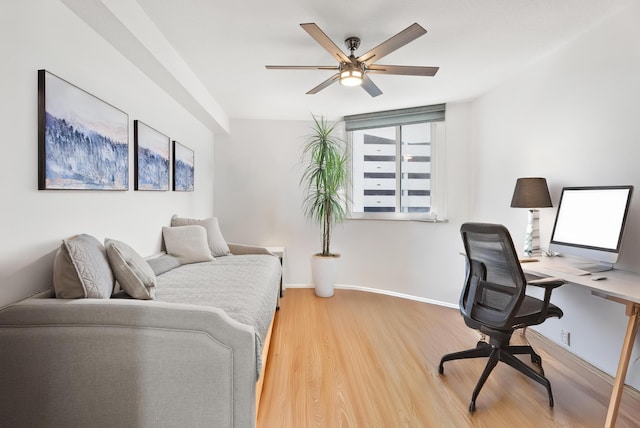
<point x="407" y="70"/>
<point x="370" y="87"/>
<point x="302" y="67"/>
<point x="402" y="38"/>
<point x="320" y="37"/>
<point x="324" y="84"/>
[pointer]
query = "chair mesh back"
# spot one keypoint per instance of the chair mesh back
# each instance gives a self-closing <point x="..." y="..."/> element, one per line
<point x="494" y="274"/>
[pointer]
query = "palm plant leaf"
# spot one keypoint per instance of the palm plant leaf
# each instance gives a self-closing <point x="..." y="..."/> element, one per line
<point x="324" y="179"/>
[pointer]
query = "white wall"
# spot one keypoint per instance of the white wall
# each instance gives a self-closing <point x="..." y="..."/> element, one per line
<point x="259" y="200"/>
<point x="45" y="34"/>
<point x="572" y="118"/>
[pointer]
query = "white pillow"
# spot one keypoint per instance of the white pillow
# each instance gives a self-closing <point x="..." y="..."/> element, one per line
<point x="216" y="241"/>
<point x="132" y="272"/>
<point x="187" y="243"/>
<point x="81" y="269"/>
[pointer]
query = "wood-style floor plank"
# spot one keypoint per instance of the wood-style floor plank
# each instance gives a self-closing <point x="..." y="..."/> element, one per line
<point x="360" y="359"/>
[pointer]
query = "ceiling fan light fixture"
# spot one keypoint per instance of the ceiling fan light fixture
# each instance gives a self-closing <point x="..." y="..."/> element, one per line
<point x="350" y="75"/>
<point x="354" y="70"/>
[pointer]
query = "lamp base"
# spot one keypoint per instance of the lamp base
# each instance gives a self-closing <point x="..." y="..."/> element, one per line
<point x="532" y="235"/>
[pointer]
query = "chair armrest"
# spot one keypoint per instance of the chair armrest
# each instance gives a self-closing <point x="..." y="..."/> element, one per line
<point x="548" y="282"/>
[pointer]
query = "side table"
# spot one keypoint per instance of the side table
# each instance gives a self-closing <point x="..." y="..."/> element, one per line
<point x="280" y="252"/>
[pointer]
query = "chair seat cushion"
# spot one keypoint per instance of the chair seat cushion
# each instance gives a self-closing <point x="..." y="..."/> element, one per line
<point x="529" y="312"/>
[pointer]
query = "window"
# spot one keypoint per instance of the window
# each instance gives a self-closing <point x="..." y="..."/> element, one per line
<point x="395" y="156"/>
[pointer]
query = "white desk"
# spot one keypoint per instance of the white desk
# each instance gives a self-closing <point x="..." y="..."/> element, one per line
<point x="620" y="286"/>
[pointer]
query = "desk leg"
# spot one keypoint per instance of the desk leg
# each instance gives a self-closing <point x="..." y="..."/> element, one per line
<point x="618" y="385"/>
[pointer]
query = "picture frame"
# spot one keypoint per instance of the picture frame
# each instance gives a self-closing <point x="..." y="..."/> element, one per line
<point x="151" y="162"/>
<point x="183" y="168"/>
<point x="83" y="141"/>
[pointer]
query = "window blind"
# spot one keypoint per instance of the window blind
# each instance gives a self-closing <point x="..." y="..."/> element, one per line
<point x="405" y="116"/>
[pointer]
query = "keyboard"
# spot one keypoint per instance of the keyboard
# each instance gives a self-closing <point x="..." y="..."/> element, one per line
<point x="570" y="270"/>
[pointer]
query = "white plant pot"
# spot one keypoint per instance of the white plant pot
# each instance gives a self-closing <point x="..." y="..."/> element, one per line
<point x="324" y="271"/>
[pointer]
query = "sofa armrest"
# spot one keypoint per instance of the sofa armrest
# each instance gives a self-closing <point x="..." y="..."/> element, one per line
<point x="91" y="362"/>
<point x="240" y="249"/>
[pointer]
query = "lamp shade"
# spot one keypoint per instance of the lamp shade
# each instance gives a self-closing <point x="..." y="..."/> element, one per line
<point x="531" y="192"/>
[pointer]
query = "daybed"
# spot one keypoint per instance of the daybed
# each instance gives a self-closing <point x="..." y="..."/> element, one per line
<point x="189" y="358"/>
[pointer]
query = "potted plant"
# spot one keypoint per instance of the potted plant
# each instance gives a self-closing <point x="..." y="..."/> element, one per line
<point x="324" y="181"/>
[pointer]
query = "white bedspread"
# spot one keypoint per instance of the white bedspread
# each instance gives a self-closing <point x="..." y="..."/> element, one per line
<point x="245" y="287"/>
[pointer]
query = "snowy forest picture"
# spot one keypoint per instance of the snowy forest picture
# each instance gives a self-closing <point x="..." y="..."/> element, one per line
<point x="151" y="162"/>
<point x="83" y="142"/>
<point x="183" y="161"/>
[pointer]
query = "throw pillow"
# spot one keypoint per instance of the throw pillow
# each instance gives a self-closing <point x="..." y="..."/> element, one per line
<point x="216" y="241"/>
<point x="132" y="272"/>
<point x="81" y="269"/>
<point x="187" y="243"/>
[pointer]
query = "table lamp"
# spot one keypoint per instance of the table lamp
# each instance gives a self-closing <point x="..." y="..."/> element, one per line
<point x="532" y="193"/>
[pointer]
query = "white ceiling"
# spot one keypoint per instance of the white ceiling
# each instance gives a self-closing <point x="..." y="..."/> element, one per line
<point x="476" y="44"/>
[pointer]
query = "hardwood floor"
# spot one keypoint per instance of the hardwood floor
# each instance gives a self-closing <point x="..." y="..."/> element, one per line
<point x="367" y="360"/>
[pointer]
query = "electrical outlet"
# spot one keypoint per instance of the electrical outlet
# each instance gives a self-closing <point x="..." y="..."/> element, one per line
<point x="566" y="337"/>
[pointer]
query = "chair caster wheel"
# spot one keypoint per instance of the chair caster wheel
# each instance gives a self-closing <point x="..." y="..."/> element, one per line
<point x="440" y="369"/>
<point x="472" y="407"/>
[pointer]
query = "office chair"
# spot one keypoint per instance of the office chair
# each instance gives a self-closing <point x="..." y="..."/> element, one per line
<point x="493" y="301"/>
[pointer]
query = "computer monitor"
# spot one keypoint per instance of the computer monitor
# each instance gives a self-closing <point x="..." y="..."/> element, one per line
<point x="590" y="223"/>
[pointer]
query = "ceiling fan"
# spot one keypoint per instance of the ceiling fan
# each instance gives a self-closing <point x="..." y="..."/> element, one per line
<point x="352" y="70"/>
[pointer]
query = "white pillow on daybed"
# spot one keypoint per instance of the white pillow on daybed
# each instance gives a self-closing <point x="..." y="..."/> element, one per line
<point x="215" y="240"/>
<point x="132" y="272"/>
<point x="187" y="243"/>
<point x="81" y="269"/>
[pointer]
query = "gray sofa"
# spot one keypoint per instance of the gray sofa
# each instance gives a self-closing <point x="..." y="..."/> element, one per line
<point x="189" y="358"/>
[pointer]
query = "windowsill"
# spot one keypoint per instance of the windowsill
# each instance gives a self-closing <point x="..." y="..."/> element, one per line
<point x="437" y="220"/>
<point x="396" y="217"/>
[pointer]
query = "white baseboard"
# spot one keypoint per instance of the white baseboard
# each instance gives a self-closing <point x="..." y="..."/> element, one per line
<point x="379" y="291"/>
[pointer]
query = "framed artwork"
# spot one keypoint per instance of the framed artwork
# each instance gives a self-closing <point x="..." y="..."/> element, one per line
<point x="83" y="142"/>
<point x="151" y="161"/>
<point x="183" y="161"/>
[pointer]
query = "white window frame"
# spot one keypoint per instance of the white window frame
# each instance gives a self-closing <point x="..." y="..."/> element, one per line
<point x="434" y="114"/>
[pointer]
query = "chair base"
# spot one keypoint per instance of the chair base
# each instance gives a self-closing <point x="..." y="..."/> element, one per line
<point x="497" y="351"/>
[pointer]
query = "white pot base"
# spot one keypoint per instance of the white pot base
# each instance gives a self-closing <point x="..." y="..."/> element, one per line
<point x="324" y="271"/>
